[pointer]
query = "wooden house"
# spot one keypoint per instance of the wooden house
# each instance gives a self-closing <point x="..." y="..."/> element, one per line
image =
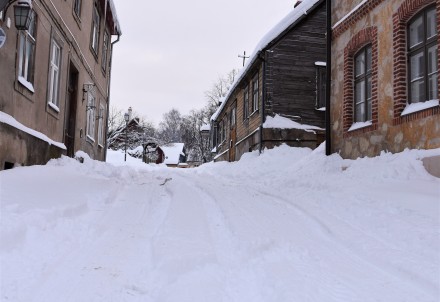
<point x="55" y="80"/>
<point x="384" y="71"/>
<point x="173" y="155"/>
<point x="285" y="77"/>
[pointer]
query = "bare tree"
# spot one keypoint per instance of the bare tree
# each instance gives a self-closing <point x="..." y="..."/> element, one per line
<point x="220" y="88"/>
<point x="169" y="127"/>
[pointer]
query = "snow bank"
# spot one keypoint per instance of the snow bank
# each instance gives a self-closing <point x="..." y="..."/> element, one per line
<point x="288" y="225"/>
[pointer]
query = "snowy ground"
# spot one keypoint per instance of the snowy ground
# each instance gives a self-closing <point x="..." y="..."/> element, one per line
<point x="289" y="225"/>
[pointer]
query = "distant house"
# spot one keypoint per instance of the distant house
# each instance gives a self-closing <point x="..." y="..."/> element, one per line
<point x="173" y="155"/>
<point x="55" y="80"/>
<point x="385" y="83"/>
<point x="134" y="131"/>
<point x="284" y="80"/>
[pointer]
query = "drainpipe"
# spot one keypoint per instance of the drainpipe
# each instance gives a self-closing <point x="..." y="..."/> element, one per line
<point x="328" y="150"/>
<point x="263" y="101"/>
<point x="108" y="97"/>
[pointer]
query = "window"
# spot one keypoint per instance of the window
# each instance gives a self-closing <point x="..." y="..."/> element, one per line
<point x="77" y="8"/>
<point x="54" y="75"/>
<point x="246" y="103"/>
<point x="362" y="85"/>
<point x="104" y="51"/>
<point x="233" y="117"/>
<point x="255" y="93"/>
<point x="224" y="124"/>
<point x="26" y="54"/>
<point x="91" y="107"/>
<point x="101" y="125"/>
<point x="422" y="57"/>
<point x="94" y="40"/>
<point x="220" y="133"/>
<point x="321" y="83"/>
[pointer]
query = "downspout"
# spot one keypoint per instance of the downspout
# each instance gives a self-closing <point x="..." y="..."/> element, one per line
<point x="328" y="149"/>
<point x="263" y="101"/>
<point x="108" y="97"/>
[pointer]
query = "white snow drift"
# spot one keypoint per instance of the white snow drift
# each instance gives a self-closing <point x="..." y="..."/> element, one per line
<point x="289" y="225"/>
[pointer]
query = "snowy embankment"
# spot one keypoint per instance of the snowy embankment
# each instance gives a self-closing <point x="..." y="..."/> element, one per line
<point x="289" y="225"/>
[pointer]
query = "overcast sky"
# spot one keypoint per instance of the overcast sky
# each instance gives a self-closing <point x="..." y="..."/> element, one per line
<point x="172" y="51"/>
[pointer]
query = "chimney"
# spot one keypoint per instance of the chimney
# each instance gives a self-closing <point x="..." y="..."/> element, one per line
<point x="130" y="111"/>
<point x="297" y="3"/>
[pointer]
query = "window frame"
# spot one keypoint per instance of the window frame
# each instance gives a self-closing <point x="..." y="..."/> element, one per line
<point x="246" y="103"/>
<point x="26" y="60"/>
<point x="321" y="83"/>
<point x="364" y="77"/>
<point x="91" y="108"/>
<point x="54" y="76"/>
<point x="95" y="31"/>
<point x="421" y="47"/>
<point x="105" y="47"/>
<point x="255" y="93"/>
<point x="101" y="124"/>
<point x="233" y="117"/>
<point x="77" y="8"/>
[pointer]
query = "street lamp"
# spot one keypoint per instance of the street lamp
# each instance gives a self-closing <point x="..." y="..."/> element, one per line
<point x="22" y="13"/>
<point x="205" y="132"/>
<point x="126" y="118"/>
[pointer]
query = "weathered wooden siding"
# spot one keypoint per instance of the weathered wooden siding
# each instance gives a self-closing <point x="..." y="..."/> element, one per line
<point x="291" y="70"/>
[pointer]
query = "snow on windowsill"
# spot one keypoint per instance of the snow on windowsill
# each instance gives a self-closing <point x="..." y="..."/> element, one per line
<point x="26" y="84"/>
<point x="90" y="138"/>
<point x="411" y="108"/>
<point x="280" y="122"/>
<point x="320" y="63"/>
<point x="7" y="119"/>
<point x="360" y="125"/>
<point x="54" y="107"/>
<point x="320" y="109"/>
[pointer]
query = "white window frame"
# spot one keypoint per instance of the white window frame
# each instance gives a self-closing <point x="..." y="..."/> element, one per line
<point x="105" y="51"/>
<point x="94" y="40"/>
<point x="91" y="108"/>
<point x="26" y="55"/>
<point x="54" y="76"/>
<point x="101" y="125"/>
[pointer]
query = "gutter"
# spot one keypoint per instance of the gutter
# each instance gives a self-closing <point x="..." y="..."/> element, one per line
<point x="328" y="149"/>
<point x="108" y="96"/>
<point x="263" y="102"/>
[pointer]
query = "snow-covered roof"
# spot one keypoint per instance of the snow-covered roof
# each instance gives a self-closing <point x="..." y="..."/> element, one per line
<point x="7" y="119"/>
<point x="172" y="153"/>
<point x="116" y="25"/>
<point x="301" y="10"/>
<point x="205" y="127"/>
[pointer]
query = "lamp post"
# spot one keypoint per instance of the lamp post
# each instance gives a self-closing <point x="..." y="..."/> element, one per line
<point x="22" y="13"/>
<point x="126" y="118"/>
<point x="205" y="132"/>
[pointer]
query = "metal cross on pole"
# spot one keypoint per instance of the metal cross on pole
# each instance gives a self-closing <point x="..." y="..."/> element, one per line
<point x="244" y="57"/>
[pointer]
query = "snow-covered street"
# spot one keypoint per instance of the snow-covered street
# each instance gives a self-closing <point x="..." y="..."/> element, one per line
<point x="289" y="225"/>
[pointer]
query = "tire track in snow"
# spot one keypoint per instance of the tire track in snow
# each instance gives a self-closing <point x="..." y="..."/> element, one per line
<point x="241" y="280"/>
<point x="403" y="275"/>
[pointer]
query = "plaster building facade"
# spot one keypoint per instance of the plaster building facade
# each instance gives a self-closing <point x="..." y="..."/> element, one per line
<point x="384" y="76"/>
<point x="55" y="81"/>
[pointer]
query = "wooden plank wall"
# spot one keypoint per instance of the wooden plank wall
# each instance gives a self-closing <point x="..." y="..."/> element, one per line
<point x="291" y="70"/>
